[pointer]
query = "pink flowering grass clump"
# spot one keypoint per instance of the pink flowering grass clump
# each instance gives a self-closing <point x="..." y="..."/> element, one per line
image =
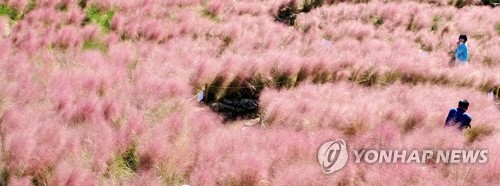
<point x="339" y="104"/>
<point x="105" y="92"/>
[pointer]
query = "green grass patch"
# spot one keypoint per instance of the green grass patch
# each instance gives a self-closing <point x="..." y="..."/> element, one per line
<point x="210" y="15"/>
<point x="4" y="177"/>
<point x="435" y="23"/>
<point x="100" y="17"/>
<point x="13" y="14"/>
<point x="412" y="26"/>
<point x="62" y="8"/>
<point x="95" y="45"/>
<point x="377" y="21"/>
<point x="31" y="6"/>
<point x="124" y="165"/>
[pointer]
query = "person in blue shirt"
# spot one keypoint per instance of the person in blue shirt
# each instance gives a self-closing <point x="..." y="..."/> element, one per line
<point x="462" y="51"/>
<point x="458" y="116"/>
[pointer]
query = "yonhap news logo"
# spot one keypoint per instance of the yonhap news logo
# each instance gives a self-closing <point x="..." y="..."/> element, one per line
<point x="333" y="156"/>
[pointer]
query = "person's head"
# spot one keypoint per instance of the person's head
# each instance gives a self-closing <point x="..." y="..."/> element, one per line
<point x="464" y="104"/>
<point x="462" y="38"/>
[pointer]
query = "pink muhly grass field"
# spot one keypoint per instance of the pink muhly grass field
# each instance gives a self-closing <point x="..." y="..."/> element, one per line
<point x="104" y="92"/>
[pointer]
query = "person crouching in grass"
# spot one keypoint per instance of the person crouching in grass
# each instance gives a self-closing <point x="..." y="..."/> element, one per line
<point x="459" y="117"/>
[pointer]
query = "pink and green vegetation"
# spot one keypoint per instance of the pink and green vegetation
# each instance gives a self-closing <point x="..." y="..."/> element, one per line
<point x="99" y="92"/>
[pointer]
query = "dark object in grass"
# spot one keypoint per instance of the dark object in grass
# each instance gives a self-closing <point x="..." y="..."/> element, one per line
<point x="232" y="109"/>
<point x="492" y="3"/>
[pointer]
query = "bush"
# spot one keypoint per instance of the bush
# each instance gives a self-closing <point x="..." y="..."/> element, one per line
<point x="479" y="132"/>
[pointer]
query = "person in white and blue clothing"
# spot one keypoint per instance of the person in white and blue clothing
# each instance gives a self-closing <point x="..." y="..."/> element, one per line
<point x="462" y="51"/>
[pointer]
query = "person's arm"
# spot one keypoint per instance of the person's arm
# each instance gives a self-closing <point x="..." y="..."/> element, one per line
<point x="467" y="122"/>
<point x="450" y="117"/>
<point x="460" y="50"/>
